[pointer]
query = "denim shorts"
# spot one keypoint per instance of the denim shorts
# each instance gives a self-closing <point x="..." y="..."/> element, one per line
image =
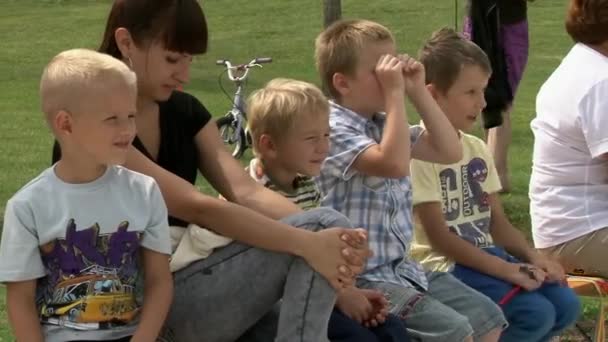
<point x="448" y="311"/>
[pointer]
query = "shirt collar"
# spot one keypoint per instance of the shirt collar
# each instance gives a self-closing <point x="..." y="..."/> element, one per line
<point x="358" y="121"/>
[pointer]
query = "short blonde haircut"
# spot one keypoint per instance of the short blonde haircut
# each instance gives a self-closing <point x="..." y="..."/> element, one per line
<point x="74" y="76"/>
<point x="275" y="109"/>
<point x="337" y="49"/>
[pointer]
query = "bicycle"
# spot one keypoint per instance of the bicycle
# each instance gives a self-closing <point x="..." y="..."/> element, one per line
<point x="233" y="125"/>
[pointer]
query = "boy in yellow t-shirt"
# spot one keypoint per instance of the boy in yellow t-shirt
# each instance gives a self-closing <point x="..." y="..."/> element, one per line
<point x="460" y="223"/>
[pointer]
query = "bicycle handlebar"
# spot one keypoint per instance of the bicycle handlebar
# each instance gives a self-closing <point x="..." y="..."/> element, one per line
<point x="262" y="60"/>
<point x="253" y="63"/>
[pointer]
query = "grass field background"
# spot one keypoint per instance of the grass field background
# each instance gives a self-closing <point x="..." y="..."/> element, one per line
<point x="32" y="31"/>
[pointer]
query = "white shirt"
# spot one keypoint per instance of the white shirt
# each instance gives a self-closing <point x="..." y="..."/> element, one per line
<point x="569" y="184"/>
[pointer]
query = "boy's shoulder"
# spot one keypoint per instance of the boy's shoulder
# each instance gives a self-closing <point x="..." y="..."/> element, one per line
<point x="343" y="117"/>
<point x="474" y="145"/>
<point x="39" y="186"/>
<point x="46" y="185"/>
<point x="133" y="178"/>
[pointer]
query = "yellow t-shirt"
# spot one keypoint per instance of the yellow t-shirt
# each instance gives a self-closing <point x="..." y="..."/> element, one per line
<point x="463" y="189"/>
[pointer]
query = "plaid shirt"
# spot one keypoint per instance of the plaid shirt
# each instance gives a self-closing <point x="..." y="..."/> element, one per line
<point x="381" y="205"/>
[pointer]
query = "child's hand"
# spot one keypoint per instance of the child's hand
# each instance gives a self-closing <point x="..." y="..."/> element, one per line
<point x="389" y="72"/>
<point x="554" y="270"/>
<point x="413" y="74"/>
<point x="379" y="307"/>
<point x="527" y="276"/>
<point x="339" y="254"/>
<point x="354" y="304"/>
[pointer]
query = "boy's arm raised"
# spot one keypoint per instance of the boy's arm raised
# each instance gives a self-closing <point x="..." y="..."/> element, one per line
<point x="22" y="313"/>
<point x="390" y="158"/>
<point x="439" y="143"/>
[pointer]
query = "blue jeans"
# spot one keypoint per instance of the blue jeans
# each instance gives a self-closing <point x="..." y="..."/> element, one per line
<point x="532" y="315"/>
<point x="344" y="329"/>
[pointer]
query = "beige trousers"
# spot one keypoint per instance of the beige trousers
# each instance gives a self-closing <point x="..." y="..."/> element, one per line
<point x="586" y="255"/>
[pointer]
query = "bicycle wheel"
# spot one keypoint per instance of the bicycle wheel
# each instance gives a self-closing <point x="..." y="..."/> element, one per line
<point x="236" y="143"/>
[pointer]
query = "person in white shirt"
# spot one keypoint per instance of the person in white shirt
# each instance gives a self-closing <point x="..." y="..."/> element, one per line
<point x="569" y="184"/>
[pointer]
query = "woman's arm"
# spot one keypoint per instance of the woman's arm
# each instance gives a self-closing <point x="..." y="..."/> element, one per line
<point x="229" y="178"/>
<point x="184" y="201"/>
<point x="324" y="251"/>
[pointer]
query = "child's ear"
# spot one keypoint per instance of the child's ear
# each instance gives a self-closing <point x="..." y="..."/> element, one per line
<point x="266" y="146"/>
<point x="62" y="123"/>
<point x="433" y="90"/>
<point x="124" y="41"/>
<point x="340" y="83"/>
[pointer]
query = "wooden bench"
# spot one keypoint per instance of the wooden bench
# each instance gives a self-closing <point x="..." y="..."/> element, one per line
<point x="597" y="288"/>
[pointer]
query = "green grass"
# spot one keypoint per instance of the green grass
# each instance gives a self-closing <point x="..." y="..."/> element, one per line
<point x="5" y="335"/>
<point x="32" y="31"/>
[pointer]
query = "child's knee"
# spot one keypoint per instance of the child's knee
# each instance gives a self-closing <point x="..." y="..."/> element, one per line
<point x="533" y="317"/>
<point x="567" y="307"/>
<point x="457" y="329"/>
<point x="328" y="217"/>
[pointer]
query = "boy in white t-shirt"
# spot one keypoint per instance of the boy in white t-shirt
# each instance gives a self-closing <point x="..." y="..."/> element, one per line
<point x="83" y="240"/>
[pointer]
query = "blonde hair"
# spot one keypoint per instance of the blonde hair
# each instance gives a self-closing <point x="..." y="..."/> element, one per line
<point x="275" y="109"/>
<point x="73" y="76"/>
<point x="337" y="49"/>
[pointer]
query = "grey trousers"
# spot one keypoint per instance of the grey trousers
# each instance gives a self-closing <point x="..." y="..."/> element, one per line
<point x="219" y="298"/>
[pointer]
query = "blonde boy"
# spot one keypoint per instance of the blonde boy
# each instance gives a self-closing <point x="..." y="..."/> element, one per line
<point x="289" y="125"/>
<point x="366" y="176"/>
<point x="74" y="237"/>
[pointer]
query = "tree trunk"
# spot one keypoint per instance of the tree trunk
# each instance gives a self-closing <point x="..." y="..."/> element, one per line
<point x="332" y="11"/>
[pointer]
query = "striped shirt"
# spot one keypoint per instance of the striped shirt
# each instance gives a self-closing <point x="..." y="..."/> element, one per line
<point x="305" y="193"/>
<point x="383" y="206"/>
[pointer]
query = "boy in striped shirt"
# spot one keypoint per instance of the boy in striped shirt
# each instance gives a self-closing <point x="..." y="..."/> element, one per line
<point x="289" y="126"/>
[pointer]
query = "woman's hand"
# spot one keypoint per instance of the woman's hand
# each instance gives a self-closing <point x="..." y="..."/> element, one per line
<point x="339" y="254"/>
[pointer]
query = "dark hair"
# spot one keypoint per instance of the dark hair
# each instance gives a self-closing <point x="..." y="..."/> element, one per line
<point x="444" y="54"/>
<point x="587" y="21"/>
<point x="179" y="24"/>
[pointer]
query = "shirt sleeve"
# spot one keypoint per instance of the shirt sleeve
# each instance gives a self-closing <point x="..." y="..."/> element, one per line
<point x="594" y="121"/>
<point x="20" y="258"/>
<point x="156" y="236"/>
<point x="415" y="134"/>
<point x="347" y="144"/>
<point x="425" y="182"/>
